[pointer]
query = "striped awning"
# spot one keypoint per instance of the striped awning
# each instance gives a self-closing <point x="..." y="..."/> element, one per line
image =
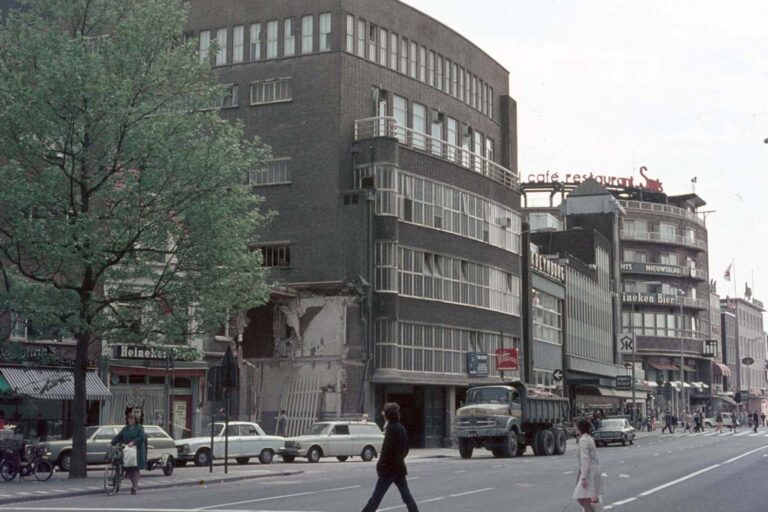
<point x="46" y="384"/>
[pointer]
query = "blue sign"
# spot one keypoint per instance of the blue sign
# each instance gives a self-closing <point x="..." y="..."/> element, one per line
<point x="477" y="364"/>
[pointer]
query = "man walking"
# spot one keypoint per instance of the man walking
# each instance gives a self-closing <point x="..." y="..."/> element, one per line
<point x="719" y="422"/>
<point x="755" y="421"/>
<point x="667" y="423"/>
<point x="391" y="466"/>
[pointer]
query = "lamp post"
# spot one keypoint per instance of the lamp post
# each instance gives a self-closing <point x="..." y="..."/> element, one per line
<point x="681" y="298"/>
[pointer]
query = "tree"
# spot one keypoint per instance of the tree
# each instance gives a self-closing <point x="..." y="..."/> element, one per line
<point x="124" y="210"/>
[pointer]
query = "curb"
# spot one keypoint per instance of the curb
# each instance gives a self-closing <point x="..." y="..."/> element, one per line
<point x="169" y="485"/>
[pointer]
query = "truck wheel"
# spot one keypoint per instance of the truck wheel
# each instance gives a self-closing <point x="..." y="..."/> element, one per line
<point x="536" y="444"/>
<point x="509" y="446"/>
<point x="466" y="447"/>
<point x="561" y="441"/>
<point x="548" y="442"/>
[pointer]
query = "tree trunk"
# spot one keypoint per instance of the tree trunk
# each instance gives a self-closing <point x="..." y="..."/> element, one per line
<point x="79" y="467"/>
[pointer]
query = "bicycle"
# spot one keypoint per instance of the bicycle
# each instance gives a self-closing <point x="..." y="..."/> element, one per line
<point x="113" y="474"/>
<point x="12" y="465"/>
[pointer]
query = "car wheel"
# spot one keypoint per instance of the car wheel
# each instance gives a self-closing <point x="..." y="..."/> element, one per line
<point x="65" y="461"/>
<point x="266" y="456"/>
<point x="242" y="460"/>
<point x="288" y="458"/>
<point x="168" y="468"/>
<point x="368" y="454"/>
<point x="203" y="457"/>
<point x="342" y="458"/>
<point x="314" y="454"/>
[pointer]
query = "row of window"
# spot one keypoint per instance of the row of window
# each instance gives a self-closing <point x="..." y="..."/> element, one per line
<point x="274" y="172"/>
<point x="434" y="348"/>
<point x="424" y="275"/>
<point x="260" y="43"/>
<point x="439" y="206"/>
<point x="665" y="258"/>
<point x="663" y="325"/>
<point x="398" y="53"/>
<point x="656" y="287"/>
<point x="262" y="92"/>
<point x="547" y="318"/>
<point x="666" y="230"/>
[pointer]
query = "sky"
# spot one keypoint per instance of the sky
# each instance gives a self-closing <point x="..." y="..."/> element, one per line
<point x="606" y="86"/>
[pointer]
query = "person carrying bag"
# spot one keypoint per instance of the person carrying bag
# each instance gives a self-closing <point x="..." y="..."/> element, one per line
<point x="589" y="483"/>
<point x="134" y="454"/>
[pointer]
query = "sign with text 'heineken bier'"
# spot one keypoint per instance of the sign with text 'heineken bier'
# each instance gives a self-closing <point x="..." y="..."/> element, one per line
<point x="650" y="298"/>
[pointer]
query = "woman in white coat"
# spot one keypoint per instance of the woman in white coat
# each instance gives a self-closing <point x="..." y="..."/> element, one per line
<point x="589" y="482"/>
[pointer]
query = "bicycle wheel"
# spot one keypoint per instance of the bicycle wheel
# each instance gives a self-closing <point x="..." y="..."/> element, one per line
<point x="111" y="480"/>
<point x="8" y="470"/>
<point x="43" y="470"/>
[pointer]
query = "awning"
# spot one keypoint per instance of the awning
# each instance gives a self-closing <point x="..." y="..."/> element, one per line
<point x="157" y="372"/>
<point x="721" y="370"/>
<point x="687" y="368"/>
<point x="726" y="399"/>
<point x="615" y="393"/>
<point x="45" y="384"/>
<point x="662" y="365"/>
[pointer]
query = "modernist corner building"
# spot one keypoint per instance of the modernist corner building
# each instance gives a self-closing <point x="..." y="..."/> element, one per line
<point x="394" y="175"/>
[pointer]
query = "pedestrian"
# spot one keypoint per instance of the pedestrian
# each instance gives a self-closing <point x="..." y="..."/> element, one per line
<point x="391" y="466"/>
<point x="762" y="416"/>
<point x="41" y="428"/>
<point x="755" y="420"/>
<point x="222" y="414"/>
<point x="133" y="436"/>
<point x="2" y="419"/>
<point x="667" y="423"/>
<point x="734" y="422"/>
<point x="719" y="422"/>
<point x="688" y="422"/>
<point x="282" y="424"/>
<point x="589" y="480"/>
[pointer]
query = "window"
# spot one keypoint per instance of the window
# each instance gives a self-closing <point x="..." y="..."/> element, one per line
<point x="452" y="137"/>
<point x="439" y="73"/>
<point x="423" y="64"/>
<point x="372" y="29"/>
<point x="341" y="430"/>
<point x="275" y="255"/>
<point x="238" y="41"/>
<point x="256" y="41"/>
<point x="271" y="91"/>
<point x="668" y="259"/>
<point x="18" y="326"/>
<point x="490" y="102"/>
<point x="221" y="41"/>
<point x="635" y="256"/>
<point x="231" y="96"/>
<point x="361" y="38"/>
<point x="547" y="318"/>
<point x="431" y="69"/>
<point x="386" y="267"/>
<point x="350" y="33"/>
<point x="490" y="149"/>
<point x="383" y="51"/>
<point x="325" y="32"/>
<point x="205" y="45"/>
<point x="668" y="232"/>
<point x="413" y="54"/>
<point x="689" y="235"/>
<point x="272" y="28"/>
<point x="400" y="113"/>
<point x="635" y="226"/>
<point x="404" y="56"/>
<point x="419" y="125"/>
<point x="289" y="39"/>
<point x="455" y="80"/>
<point x="479" y="151"/>
<point x="467" y="87"/>
<point x="248" y="430"/>
<point x="474" y="96"/>
<point x="307" y="34"/>
<point x="437" y="133"/>
<point x="481" y="96"/>
<point x="275" y="172"/>
<point x="461" y="84"/>
<point x="393" y="51"/>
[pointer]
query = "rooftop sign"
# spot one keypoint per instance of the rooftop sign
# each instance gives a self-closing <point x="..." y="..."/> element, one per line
<point x="575" y="178"/>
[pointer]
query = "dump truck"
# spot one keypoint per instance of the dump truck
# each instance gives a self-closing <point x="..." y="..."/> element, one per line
<point x="507" y="418"/>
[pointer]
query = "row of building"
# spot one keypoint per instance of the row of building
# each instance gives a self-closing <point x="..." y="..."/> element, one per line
<point x="408" y="250"/>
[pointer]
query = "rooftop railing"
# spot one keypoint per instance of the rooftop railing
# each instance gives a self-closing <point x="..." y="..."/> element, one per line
<point x="653" y="236"/>
<point x="388" y="127"/>
<point x="664" y="209"/>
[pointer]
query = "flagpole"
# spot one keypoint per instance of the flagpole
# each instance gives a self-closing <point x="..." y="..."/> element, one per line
<point x="735" y="291"/>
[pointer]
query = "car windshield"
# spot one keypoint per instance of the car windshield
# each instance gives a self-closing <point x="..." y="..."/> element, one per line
<point x="488" y="396"/>
<point x="612" y="424"/>
<point x="320" y="429"/>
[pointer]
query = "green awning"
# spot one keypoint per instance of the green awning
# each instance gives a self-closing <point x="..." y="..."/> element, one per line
<point x="4" y="386"/>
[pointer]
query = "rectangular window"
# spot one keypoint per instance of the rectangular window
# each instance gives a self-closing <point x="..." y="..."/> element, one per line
<point x="383" y="50"/>
<point x="668" y="259"/>
<point x="274" y="172"/>
<point x="475" y="93"/>
<point x="439" y="73"/>
<point x="481" y="96"/>
<point x="447" y="81"/>
<point x="431" y="69"/>
<point x="490" y="149"/>
<point x="272" y="29"/>
<point x="414" y="53"/>
<point x="232" y="96"/>
<point x="372" y="30"/>
<point x="350" y="33"/>
<point x="18" y="327"/>
<point x="238" y="41"/>
<point x="400" y="113"/>
<point x="479" y="148"/>
<point x="468" y="87"/>
<point x="423" y="64"/>
<point x="221" y="42"/>
<point x="404" y="56"/>
<point x="455" y="81"/>
<point x="271" y="91"/>
<point x="419" y="125"/>
<point x="256" y="41"/>
<point x="361" y="38"/>
<point x="437" y="133"/>
<point x="325" y="32"/>
<point x="275" y="255"/>
<point x="307" y="34"/>
<point x="668" y="232"/>
<point x="452" y="137"/>
<point x="490" y="102"/>
<point x="461" y="84"/>
<point x="205" y="45"/>
<point x="393" y="51"/>
<point x="289" y="38"/>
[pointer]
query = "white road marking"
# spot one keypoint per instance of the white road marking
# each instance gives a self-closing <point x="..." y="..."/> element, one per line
<point x="745" y="454"/>
<point x="741" y="433"/>
<point x="460" y="471"/>
<point x="283" y="496"/>
<point x="102" y="509"/>
<point x="622" y="502"/>
<point x="476" y="491"/>
<point x="568" y="472"/>
<point x="675" y="482"/>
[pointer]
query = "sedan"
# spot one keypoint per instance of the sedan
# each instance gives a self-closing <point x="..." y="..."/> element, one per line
<point x="245" y="440"/>
<point x="614" y="430"/>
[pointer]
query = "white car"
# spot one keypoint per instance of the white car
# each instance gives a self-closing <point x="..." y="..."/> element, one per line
<point x="340" y="439"/>
<point x="246" y="440"/>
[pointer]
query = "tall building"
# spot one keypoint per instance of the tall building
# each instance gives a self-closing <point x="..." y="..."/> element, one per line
<point x="747" y="335"/>
<point x="396" y="244"/>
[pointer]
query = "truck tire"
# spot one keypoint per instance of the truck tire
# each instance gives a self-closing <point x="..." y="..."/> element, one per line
<point x="509" y="445"/>
<point x="466" y="447"/>
<point x="561" y="441"/>
<point x="536" y="444"/>
<point x="548" y="442"/>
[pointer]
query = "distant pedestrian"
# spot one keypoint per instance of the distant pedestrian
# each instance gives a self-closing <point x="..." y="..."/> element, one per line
<point x="282" y="424"/>
<point x="222" y="414"/>
<point x="589" y="480"/>
<point x="688" y="422"/>
<point x="755" y="420"/>
<point x="719" y="422"/>
<point x="41" y="428"/>
<point x="762" y="416"/>
<point x="391" y="466"/>
<point x="668" y="427"/>
<point x="734" y="422"/>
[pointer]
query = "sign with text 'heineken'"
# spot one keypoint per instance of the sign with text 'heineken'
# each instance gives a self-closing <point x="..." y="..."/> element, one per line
<point x="155" y="353"/>
<point x="650" y="298"/>
<point x="623" y="382"/>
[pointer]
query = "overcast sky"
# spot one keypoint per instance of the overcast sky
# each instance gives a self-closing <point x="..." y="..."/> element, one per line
<point x="607" y="86"/>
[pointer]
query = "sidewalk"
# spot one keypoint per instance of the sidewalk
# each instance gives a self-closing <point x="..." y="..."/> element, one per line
<point x="30" y="489"/>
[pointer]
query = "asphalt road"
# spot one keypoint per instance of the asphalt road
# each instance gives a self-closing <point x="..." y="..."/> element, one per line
<point x="681" y="472"/>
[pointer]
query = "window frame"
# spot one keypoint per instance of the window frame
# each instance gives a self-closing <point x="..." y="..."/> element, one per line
<point x="307" y="34"/>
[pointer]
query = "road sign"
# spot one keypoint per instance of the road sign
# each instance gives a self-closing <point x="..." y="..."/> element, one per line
<point x="557" y="375"/>
<point x="623" y="382"/>
<point x="627" y="343"/>
<point x="507" y="359"/>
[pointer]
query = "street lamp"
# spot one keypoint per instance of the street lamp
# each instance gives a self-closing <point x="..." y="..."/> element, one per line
<point x="681" y="299"/>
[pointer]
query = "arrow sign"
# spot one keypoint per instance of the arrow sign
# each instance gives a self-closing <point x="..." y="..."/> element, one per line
<point x="557" y="375"/>
<point x="627" y="343"/>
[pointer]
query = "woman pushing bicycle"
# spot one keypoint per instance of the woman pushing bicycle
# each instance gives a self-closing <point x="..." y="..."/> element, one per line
<point x="133" y="436"/>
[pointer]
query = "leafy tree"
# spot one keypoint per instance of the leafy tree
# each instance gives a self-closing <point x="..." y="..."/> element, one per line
<point x="124" y="211"/>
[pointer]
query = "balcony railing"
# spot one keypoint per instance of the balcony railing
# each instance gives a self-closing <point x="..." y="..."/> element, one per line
<point x="388" y="127"/>
<point x="650" y="236"/>
<point x="663" y="209"/>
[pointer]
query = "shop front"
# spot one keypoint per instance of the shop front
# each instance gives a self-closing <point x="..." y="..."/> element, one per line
<point x="168" y="384"/>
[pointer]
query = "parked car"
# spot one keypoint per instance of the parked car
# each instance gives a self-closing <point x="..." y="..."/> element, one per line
<point x="614" y="430"/>
<point x="246" y="440"/>
<point x="161" y="450"/>
<point x="727" y="420"/>
<point x="340" y="439"/>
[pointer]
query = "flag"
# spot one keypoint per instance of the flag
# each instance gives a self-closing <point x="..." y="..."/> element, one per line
<point x="695" y="179"/>
<point x="727" y="273"/>
<point x="747" y="291"/>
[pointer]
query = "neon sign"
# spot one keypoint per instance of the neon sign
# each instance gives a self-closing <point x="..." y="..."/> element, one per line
<point x="651" y="184"/>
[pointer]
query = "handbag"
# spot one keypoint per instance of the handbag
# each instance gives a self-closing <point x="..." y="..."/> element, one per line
<point x="130" y="457"/>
